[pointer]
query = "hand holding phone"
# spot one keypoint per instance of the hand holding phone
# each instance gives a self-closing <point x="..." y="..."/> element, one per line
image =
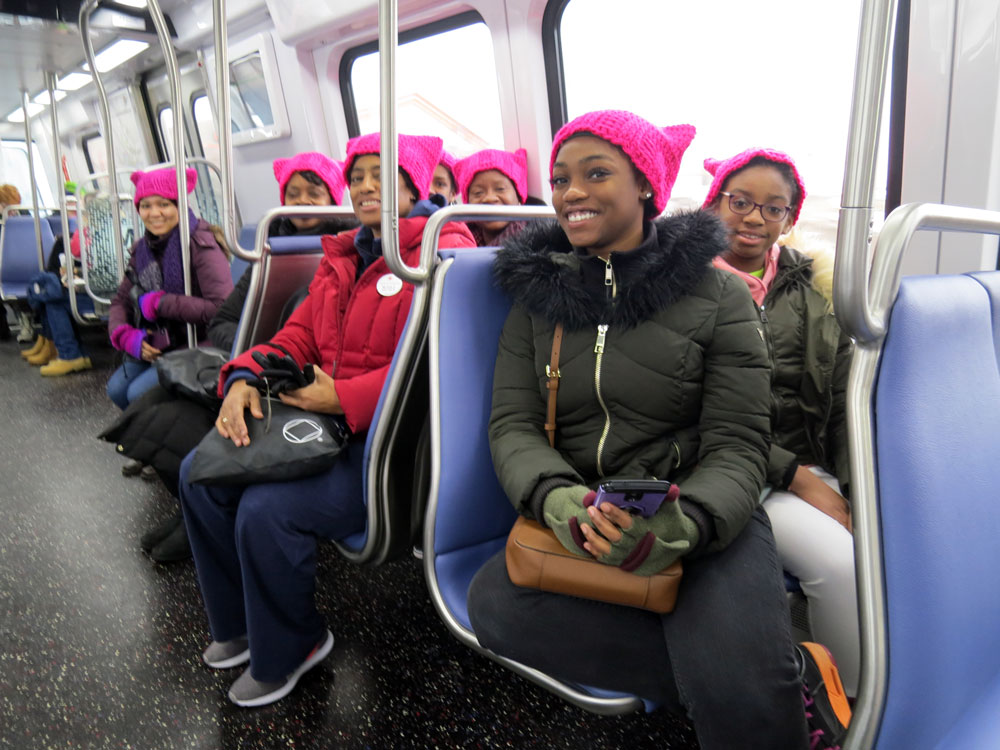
<point x="638" y="496"/>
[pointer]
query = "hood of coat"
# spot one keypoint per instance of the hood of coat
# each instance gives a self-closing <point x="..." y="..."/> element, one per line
<point x="542" y="272"/>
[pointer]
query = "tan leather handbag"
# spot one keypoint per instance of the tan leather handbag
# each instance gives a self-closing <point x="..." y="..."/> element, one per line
<point x="537" y="559"/>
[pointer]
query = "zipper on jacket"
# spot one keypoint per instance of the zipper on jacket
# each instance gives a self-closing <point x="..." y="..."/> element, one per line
<point x="775" y="401"/>
<point x="610" y="287"/>
<point x="602" y="331"/>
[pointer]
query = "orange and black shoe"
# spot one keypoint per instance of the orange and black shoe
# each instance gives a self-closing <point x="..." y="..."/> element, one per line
<point x="827" y="709"/>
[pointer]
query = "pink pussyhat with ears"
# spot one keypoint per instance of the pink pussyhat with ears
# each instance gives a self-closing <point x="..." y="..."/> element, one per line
<point x="162" y="182"/>
<point x="721" y="169"/>
<point x="656" y="152"/>
<point x="330" y="171"/>
<point x="513" y="166"/>
<point x="418" y="157"/>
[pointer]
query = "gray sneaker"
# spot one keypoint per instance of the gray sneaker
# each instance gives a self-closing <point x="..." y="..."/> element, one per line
<point x="248" y="692"/>
<point x="227" y="654"/>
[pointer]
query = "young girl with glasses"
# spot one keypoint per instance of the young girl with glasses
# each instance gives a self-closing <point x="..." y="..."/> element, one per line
<point x="758" y="194"/>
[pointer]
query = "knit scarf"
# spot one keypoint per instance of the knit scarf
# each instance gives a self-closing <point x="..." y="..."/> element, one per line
<point x="758" y="287"/>
<point x="158" y="262"/>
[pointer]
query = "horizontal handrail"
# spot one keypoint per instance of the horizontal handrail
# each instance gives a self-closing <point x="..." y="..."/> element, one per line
<point x="291" y="212"/>
<point x="465" y="212"/>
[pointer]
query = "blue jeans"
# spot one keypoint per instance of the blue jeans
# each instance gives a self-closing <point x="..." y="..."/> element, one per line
<point x="130" y="381"/>
<point x="57" y="325"/>
<point x="255" y="551"/>
<point x="724" y="655"/>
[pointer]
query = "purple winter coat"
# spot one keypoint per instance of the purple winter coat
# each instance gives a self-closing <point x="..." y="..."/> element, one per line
<point x="211" y="283"/>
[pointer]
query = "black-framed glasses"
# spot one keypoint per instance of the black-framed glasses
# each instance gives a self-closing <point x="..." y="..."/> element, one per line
<point x="743" y="206"/>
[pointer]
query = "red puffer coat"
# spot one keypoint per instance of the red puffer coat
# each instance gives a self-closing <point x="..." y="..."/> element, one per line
<point x="350" y="328"/>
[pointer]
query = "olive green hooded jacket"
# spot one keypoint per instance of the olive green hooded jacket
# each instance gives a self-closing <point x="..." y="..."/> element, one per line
<point x="811" y="358"/>
<point x="664" y="372"/>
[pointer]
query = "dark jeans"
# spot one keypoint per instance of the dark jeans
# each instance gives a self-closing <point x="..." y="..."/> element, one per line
<point x="255" y="551"/>
<point x="57" y="325"/>
<point x="724" y="655"/>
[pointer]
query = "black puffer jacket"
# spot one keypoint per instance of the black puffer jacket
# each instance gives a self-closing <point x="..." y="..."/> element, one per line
<point x="676" y="387"/>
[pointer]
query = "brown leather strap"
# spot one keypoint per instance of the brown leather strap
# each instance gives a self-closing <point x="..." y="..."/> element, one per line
<point x="552" y="370"/>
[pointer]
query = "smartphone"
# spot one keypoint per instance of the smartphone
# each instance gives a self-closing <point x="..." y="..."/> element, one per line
<point x="638" y="496"/>
<point x="159" y="339"/>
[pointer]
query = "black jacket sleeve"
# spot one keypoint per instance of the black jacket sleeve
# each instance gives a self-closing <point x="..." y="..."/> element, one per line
<point x="222" y="328"/>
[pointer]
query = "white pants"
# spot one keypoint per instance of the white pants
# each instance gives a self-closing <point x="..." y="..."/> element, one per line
<point x="818" y="551"/>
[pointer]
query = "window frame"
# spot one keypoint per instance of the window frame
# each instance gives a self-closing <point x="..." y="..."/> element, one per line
<point x="262" y="45"/>
<point x="195" y="96"/>
<point x="466" y="18"/>
<point x="85" y="141"/>
<point x="555" y="78"/>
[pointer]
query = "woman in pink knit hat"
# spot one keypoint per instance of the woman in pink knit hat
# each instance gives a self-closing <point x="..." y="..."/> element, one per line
<point x="662" y="375"/>
<point x="758" y="194"/>
<point x="255" y="547"/>
<point x="496" y="178"/>
<point x="150" y="312"/>
<point x="309" y="179"/>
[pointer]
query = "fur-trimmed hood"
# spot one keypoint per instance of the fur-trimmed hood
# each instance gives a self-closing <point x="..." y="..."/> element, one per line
<point x="542" y="271"/>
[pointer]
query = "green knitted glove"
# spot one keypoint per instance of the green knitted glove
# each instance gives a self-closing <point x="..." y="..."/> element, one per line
<point x="564" y="511"/>
<point x="652" y="544"/>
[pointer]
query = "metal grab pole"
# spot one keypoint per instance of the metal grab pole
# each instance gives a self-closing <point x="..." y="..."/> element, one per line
<point x="109" y="141"/>
<point x="388" y="38"/>
<point x="34" y="182"/>
<point x="50" y="86"/>
<point x="224" y="109"/>
<point x="850" y="287"/>
<point x="184" y="224"/>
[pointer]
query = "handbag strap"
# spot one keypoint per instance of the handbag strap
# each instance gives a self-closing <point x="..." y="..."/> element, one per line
<point x="553" y="374"/>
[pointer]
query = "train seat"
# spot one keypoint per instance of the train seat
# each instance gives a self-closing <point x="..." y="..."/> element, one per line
<point x="55" y="224"/>
<point x="457" y="543"/>
<point x="937" y="435"/>
<point x="19" y="254"/>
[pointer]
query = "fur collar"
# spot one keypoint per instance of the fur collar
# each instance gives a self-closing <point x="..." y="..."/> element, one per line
<point x="541" y="271"/>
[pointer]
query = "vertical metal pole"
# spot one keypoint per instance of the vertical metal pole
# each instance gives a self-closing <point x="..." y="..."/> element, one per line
<point x="109" y="141"/>
<point x="180" y="163"/>
<point x="388" y="38"/>
<point x="223" y="121"/>
<point x="50" y="86"/>
<point x="34" y="182"/>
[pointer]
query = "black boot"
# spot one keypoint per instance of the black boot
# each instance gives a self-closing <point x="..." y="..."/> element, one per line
<point x="160" y="532"/>
<point x="174" y="548"/>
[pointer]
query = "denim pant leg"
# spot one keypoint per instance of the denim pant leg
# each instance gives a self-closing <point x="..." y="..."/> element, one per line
<point x="43" y="322"/>
<point x="121" y="379"/>
<point x="210" y="518"/>
<point x="575" y="640"/>
<point x="141" y="383"/>
<point x="59" y="321"/>
<point x="730" y="642"/>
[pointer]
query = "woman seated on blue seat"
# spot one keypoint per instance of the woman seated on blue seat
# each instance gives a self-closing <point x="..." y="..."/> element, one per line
<point x="663" y="374"/>
<point x="255" y="547"/>
<point x="150" y="312"/>
<point x="494" y="178"/>
<point x="758" y="194"/>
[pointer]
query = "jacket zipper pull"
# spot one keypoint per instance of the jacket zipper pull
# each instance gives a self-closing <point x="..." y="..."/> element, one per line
<point x="602" y="331"/>
<point x="763" y="314"/>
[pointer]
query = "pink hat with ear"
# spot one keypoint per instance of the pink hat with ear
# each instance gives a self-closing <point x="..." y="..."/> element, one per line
<point x="330" y="171"/>
<point x="162" y="182"/>
<point x="721" y="169"/>
<point x="514" y="166"/>
<point x="418" y="157"/>
<point x="655" y="152"/>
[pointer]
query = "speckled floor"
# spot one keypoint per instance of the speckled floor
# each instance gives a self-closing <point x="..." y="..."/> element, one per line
<point x="99" y="647"/>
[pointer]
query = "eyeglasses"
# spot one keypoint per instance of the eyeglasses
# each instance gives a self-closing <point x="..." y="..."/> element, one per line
<point x="743" y="206"/>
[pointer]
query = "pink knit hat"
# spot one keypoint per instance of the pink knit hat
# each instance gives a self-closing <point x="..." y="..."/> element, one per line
<point x="514" y="166"/>
<point x="329" y="171"/>
<point x="722" y="169"/>
<point x="656" y="152"/>
<point x="162" y="182"/>
<point x="418" y="157"/>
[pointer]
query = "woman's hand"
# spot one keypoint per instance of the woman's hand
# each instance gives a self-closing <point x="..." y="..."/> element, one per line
<point x="608" y="522"/>
<point x="149" y="352"/>
<point x="319" y="396"/>
<point x="821" y="496"/>
<point x="230" y="423"/>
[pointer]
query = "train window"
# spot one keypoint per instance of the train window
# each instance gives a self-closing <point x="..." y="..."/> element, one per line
<point x="15" y="171"/>
<point x="166" y="121"/>
<point x="95" y="152"/>
<point x="256" y="101"/>
<point x="429" y="101"/>
<point x="759" y="79"/>
<point x="204" y="122"/>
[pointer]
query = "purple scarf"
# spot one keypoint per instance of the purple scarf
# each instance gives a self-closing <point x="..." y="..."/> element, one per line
<point x="167" y="272"/>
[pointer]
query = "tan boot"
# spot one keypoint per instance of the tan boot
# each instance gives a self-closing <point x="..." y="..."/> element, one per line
<point x="65" y="366"/>
<point x="35" y="348"/>
<point x="45" y="355"/>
